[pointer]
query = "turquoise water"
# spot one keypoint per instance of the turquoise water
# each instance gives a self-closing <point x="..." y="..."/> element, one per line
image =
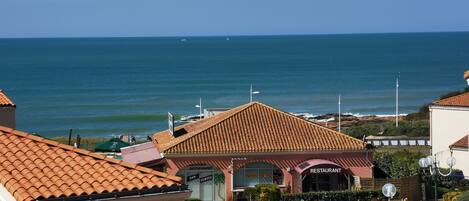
<point x="110" y="86"/>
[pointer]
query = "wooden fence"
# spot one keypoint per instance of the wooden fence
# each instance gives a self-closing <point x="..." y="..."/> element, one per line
<point x="409" y="187"/>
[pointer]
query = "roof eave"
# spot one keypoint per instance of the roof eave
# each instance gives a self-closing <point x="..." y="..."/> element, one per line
<point x="297" y="152"/>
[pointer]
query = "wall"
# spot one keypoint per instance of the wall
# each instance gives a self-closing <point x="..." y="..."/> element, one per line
<point x="448" y="125"/>
<point x="7" y="117"/>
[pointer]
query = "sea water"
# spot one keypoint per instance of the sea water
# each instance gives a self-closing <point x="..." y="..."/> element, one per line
<point x="111" y="86"/>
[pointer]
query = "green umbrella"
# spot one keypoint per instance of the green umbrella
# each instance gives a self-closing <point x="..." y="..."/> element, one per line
<point x="113" y="145"/>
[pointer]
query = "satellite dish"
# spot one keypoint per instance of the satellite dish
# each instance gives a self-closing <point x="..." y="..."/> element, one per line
<point x="389" y="190"/>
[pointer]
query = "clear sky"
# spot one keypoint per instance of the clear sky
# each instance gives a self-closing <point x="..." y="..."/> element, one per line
<point x="101" y="18"/>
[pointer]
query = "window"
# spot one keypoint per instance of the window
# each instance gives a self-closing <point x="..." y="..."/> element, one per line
<point x="205" y="182"/>
<point x="257" y="173"/>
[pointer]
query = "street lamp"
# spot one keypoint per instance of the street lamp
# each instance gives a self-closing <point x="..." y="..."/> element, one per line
<point x="251" y="92"/>
<point x="389" y="190"/>
<point x="200" y="107"/>
<point x="433" y="166"/>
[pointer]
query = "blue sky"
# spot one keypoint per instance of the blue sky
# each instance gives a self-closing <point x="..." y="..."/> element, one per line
<point x="101" y="18"/>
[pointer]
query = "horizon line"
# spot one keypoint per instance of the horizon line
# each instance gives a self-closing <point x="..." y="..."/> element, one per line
<point x="239" y="35"/>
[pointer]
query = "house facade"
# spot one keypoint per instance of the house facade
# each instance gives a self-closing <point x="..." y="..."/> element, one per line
<point x="220" y="156"/>
<point x="449" y="123"/>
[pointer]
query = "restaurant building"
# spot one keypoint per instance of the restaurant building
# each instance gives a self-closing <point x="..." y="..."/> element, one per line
<point x="218" y="157"/>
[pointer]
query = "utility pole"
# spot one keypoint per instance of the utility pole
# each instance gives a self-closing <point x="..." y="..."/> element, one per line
<point x="397" y="100"/>
<point x="340" y="114"/>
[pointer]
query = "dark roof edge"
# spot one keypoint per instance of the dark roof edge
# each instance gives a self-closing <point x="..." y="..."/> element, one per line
<point x="124" y="194"/>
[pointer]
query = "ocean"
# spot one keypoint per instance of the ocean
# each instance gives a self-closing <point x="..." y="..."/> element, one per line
<point x="111" y="86"/>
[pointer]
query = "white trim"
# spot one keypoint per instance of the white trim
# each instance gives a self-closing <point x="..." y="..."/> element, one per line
<point x="5" y="195"/>
<point x="440" y="107"/>
<point x="459" y="149"/>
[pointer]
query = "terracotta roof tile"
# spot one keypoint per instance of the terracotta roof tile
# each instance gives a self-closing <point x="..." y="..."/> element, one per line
<point x="461" y="143"/>
<point x="461" y="100"/>
<point x="5" y="101"/>
<point x="254" y="127"/>
<point x="45" y="169"/>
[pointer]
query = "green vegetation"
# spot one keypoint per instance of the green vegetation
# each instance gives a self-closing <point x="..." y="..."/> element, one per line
<point x="464" y="196"/>
<point x="398" y="164"/>
<point x="408" y="128"/>
<point x="263" y="192"/>
<point x="452" y="196"/>
<point x="193" y="199"/>
<point x="364" y="195"/>
<point x="412" y="125"/>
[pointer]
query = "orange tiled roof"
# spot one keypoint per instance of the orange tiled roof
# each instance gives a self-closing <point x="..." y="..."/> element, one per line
<point x="458" y="100"/>
<point x="461" y="143"/>
<point x="34" y="168"/>
<point x="254" y="127"/>
<point x="5" y="101"/>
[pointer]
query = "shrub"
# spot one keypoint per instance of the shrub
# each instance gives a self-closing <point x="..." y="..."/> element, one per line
<point x="268" y="192"/>
<point x="464" y="196"/>
<point x="365" y="195"/>
<point x="451" y="196"/>
<point x="250" y="193"/>
<point x="193" y="199"/>
<point x="408" y="128"/>
<point x="399" y="164"/>
<point x="263" y="192"/>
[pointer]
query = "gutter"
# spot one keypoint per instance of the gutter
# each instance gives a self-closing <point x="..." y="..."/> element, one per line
<point x="133" y="194"/>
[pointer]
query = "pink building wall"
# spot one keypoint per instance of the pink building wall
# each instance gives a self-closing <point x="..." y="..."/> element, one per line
<point x="358" y="163"/>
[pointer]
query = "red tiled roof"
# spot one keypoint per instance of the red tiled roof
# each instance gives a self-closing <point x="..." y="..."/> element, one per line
<point x="34" y="168"/>
<point x="5" y="101"/>
<point x="461" y="143"/>
<point x="458" y="100"/>
<point x="254" y="127"/>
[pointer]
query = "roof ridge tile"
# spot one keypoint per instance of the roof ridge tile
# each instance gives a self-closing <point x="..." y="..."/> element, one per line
<point x="232" y="112"/>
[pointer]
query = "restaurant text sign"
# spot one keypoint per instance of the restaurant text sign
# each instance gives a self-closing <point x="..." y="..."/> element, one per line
<point x="334" y="170"/>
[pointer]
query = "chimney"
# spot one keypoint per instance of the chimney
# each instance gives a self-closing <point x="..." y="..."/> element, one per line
<point x="466" y="76"/>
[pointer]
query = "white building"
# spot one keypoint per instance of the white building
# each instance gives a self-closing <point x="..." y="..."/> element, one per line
<point x="449" y="127"/>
